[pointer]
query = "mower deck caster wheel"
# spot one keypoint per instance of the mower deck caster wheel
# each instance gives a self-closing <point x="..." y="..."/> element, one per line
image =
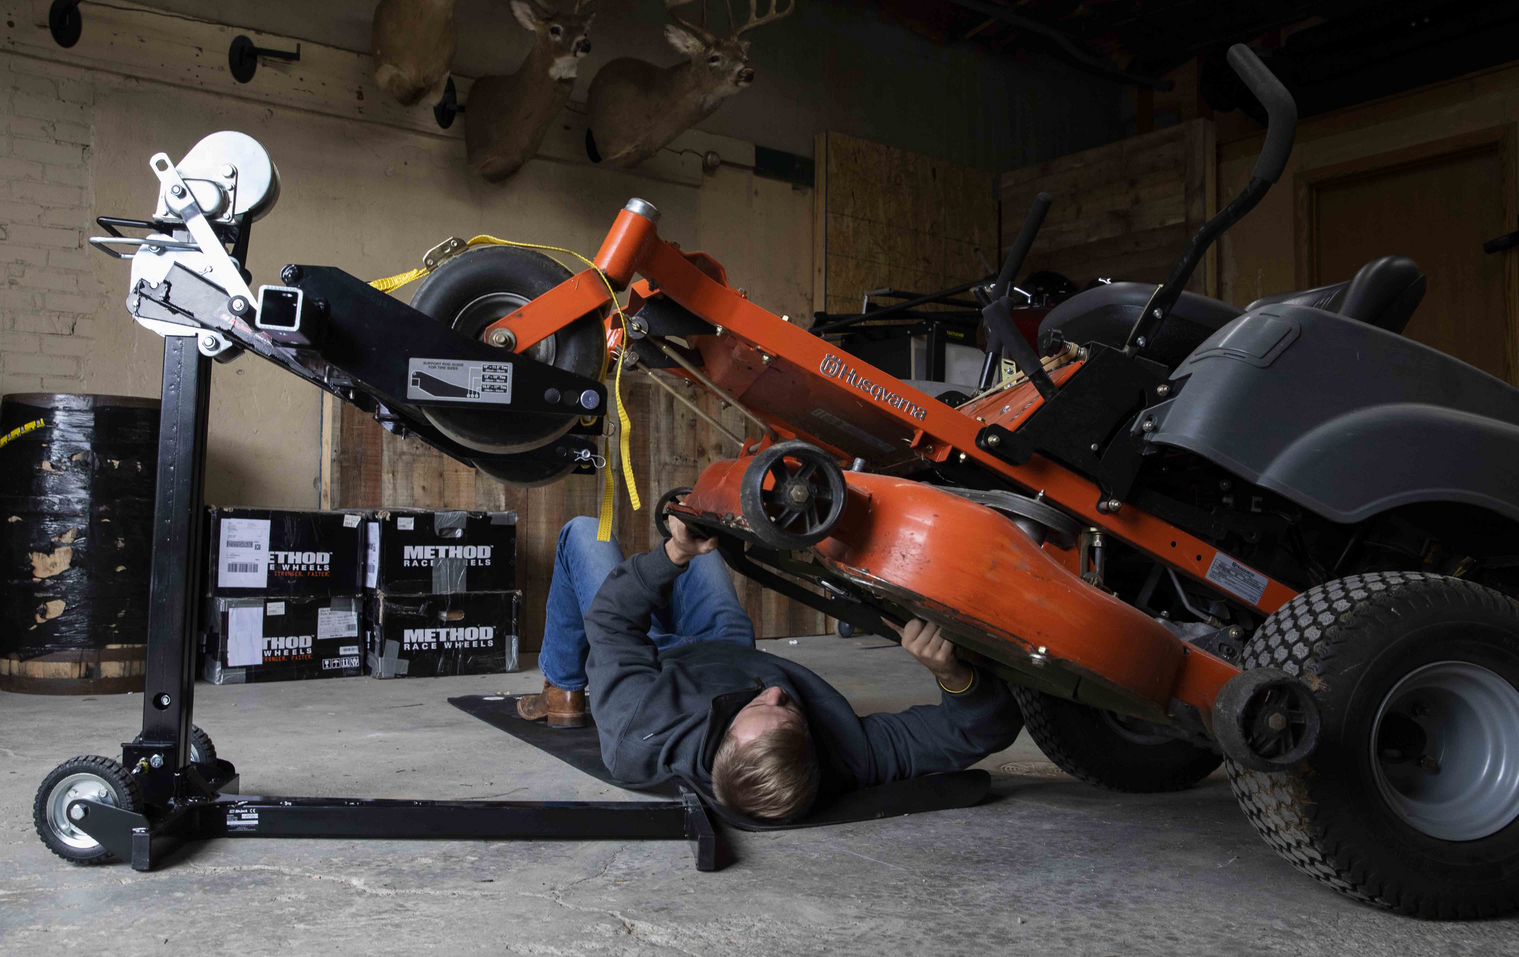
<point x="804" y="500"/>
<point x="662" y="509"/>
<point x="1266" y="720"/>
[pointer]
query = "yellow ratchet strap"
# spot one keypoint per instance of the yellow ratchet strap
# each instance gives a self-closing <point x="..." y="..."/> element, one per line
<point x="609" y="485"/>
<point x="19" y="431"/>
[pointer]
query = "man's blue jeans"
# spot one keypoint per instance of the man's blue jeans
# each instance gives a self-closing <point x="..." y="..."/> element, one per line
<point x="703" y="606"/>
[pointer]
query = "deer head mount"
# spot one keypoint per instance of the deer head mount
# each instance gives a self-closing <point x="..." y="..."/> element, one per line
<point x="507" y="116"/>
<point x="413" y="46"/>
<point x="636" y="107"/>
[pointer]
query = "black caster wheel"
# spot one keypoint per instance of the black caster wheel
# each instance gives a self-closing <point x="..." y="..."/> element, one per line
<point x="202" y="751"/>
<point x="804" y="500"/>
<point x="89" y="777"/>
<point x="662" y="509"/>
<point x="845" y="630"/>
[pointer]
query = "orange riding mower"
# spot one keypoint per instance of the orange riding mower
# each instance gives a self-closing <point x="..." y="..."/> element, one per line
<point x="1279" y="538"/>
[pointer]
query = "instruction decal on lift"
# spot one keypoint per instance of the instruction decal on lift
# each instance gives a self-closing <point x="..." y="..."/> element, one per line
<point x="459" y="380"/>
<point x="1236" y="578"/>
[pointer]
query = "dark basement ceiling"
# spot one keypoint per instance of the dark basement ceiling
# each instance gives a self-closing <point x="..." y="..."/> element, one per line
<point x="1330" y="53"/>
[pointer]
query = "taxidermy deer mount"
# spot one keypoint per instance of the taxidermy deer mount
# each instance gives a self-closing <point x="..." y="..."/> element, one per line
<point x="636" y="107"/>
<point x="509" y="115"/>
<point x="413" y="46"/>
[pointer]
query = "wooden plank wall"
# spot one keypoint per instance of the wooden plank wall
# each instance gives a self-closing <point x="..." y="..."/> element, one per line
<point x="670" y="444"/>
<point x="887" y="217"/>
<point x="1122" y="211"/>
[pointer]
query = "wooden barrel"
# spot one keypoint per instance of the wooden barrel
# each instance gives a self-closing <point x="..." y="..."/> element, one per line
<point x="76" y="521"/>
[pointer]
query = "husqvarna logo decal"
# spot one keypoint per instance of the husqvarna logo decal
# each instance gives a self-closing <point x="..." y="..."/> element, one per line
<point x="835" y="368"/>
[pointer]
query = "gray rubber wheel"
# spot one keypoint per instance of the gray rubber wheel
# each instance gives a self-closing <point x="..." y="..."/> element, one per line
<point x="473" y="290"/>
<point x="1411" y="798"/>
<point x="89" y="777"/>
<point x="1109" y="750"/>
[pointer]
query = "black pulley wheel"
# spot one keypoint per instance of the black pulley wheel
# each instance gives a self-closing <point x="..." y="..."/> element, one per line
<point x="1411" y="798"/>
<point x="86" y="778"/>
<point x="525" y="472"/>
<point x="1110" y="750"/>
<point x="662" y="509"/>
<point x="473" y="290"/>
<point x="803" y="501"/>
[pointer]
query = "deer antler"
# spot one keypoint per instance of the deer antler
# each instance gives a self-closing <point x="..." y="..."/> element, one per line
<point x="701" y="31"/>
<point x="755" y="20"/>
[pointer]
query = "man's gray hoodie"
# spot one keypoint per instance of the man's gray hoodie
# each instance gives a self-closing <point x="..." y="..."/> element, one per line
<point x="662" y="714"/>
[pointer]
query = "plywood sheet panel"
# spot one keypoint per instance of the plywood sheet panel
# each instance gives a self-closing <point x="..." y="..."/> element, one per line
<point x="898" y="219"/>
<point x="1121" y="211"/>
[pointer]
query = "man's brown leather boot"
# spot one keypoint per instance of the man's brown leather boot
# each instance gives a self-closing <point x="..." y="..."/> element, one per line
<point x="564" y="709"/>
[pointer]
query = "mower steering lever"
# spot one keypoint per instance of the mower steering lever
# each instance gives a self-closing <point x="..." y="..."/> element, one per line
<point x="1002" y="335"/>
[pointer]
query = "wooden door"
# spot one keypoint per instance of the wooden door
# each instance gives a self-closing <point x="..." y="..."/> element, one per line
<point x="1437" y="204"/>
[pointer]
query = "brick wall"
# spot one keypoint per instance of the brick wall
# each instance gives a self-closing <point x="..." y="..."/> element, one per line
<point x="50" y="296"/>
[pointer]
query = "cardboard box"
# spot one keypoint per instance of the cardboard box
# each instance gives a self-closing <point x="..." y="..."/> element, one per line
<point x="418" y="636"/>
<point x="262" y="552"/>
<point x="285" y="639"/>
<point x="441" y="553"/>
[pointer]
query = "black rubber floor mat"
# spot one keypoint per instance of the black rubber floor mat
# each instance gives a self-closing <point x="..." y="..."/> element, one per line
<point x="581" y="749"/>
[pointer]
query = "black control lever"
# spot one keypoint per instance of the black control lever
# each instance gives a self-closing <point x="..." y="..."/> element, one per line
<point x="1002" y="335"/>
<point x="1281" y="112"/>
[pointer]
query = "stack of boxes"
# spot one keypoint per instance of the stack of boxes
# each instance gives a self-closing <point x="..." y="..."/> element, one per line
<point x="442" y="595"/>
<point x="306" y="594"/>
<point x="287" y="595"/>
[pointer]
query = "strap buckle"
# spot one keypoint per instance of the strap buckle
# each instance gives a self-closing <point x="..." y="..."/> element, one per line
<point x="449" y="247"/>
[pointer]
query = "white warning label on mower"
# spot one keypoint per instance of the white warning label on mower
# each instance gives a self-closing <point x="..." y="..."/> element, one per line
<point x="459" y="380"/>
<point x="1237" y="579"/>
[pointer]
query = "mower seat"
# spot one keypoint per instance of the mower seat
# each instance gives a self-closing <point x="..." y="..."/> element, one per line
<point x="1106" y="313"/>
<point x="1384" y="293"/>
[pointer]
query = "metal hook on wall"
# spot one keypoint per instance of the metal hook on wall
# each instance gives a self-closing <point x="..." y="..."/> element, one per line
<point x="243" y="57"/>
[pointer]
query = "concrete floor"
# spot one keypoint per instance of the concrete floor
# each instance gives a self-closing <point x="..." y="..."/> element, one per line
<point x="1050" y="866"/>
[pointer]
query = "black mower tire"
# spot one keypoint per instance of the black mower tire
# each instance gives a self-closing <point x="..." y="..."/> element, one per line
<point x="1358" y="641"/>
<point x="1091" y="746"/>
<point x="472" y="290"/>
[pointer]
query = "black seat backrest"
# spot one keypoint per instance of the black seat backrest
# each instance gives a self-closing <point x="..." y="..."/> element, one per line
<point x="1384" y="293"/>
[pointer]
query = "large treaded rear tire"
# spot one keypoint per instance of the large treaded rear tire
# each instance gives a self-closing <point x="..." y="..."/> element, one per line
<point x="1090" y="746"/>
<point x="1353" y="640"/>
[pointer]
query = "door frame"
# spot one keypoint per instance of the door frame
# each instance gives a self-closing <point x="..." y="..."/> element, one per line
<point x="1504" y="137"/>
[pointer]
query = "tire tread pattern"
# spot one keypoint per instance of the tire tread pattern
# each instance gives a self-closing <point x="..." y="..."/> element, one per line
<point x="1064" y="749"/>
<point x="1280" y="804"/>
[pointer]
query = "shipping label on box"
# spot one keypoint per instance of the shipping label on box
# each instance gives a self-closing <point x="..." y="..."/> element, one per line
<point x="412" y="636"/>
<point x="260" y="639"/>
<point x="442" y="553"/>
<point x="260" y="551"/>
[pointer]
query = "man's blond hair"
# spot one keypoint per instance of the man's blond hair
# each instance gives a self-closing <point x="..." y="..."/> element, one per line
<point x="774" y="776"/>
